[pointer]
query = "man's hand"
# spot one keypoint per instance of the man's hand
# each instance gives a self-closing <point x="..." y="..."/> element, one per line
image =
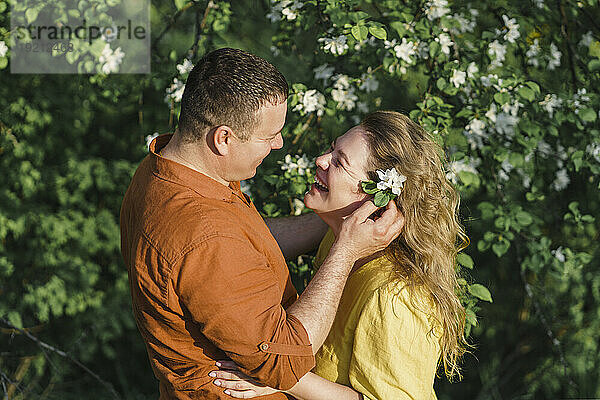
<point x="360" y="236"/>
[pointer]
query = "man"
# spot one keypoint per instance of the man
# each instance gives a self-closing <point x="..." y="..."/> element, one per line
<point x="208" y="279"/>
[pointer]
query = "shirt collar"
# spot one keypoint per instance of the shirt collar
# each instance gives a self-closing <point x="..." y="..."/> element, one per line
<point x="197" y="181"/>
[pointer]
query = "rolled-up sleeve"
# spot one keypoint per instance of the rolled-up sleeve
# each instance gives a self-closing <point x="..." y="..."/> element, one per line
<point x="233" y="295"/>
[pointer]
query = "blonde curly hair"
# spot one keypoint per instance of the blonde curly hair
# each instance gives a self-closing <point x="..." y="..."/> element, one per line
<point x="424" y="255"/>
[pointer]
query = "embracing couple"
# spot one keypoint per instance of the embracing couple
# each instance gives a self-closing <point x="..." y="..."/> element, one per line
<point x="211" y="292"/>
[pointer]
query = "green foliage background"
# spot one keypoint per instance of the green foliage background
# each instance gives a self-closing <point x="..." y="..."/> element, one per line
<point x="69" y="145"/>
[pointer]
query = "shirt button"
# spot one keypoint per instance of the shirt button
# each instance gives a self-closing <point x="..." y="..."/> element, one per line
<point x="264" y="347"/>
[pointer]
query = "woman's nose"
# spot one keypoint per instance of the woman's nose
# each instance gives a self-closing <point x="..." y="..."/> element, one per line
<point x="323" y="160"/>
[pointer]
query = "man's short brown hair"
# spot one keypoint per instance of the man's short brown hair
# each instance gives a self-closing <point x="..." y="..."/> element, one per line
<point x="228" y="87"/>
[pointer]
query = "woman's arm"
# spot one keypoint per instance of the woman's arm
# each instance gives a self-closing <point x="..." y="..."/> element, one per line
<point x="309" y="387"/>
<point x="313" y="387"/>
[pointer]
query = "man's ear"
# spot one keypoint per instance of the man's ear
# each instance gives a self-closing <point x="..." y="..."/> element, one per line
<point x="221" y="139"/>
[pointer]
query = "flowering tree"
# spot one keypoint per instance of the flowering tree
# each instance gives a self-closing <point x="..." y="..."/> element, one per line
<point x="508" y="89"/>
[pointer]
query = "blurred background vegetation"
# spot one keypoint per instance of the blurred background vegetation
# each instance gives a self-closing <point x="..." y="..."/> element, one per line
<point x="69" y="145"/>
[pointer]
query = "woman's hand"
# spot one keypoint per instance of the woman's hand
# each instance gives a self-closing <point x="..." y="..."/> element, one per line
<point x="236" y="383"/>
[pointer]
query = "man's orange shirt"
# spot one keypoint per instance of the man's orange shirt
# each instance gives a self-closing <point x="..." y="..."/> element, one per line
<point x="208" y="282"/>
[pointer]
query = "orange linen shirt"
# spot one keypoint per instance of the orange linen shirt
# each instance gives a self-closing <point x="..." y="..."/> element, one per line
<point x="208" y="282"/>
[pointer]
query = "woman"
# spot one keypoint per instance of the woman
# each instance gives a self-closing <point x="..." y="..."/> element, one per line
<point x="399" y="316"/>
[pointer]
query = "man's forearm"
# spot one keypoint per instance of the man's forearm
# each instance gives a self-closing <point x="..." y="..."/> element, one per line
<point x="313" y="387"/>
<point x="318" y="303"/>
<point x="297" y="235"/>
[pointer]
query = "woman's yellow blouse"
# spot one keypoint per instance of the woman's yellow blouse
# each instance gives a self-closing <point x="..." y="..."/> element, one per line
<point x="379" y="343"/>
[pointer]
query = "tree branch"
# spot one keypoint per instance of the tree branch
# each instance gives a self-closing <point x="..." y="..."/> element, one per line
<point x="538" y="310"/>
<point x="171" y="23"/>
<point x="564" y="30"/>
<point x="45" y="346"/>
<point x="200" y="25"/>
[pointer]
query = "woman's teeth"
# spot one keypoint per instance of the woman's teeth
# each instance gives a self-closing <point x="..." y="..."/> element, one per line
<point x="320" y="185"/>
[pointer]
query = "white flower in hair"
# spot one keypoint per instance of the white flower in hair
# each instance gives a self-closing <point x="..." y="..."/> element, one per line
<point x="390" y="178"/>
<point x="389" y="186"/>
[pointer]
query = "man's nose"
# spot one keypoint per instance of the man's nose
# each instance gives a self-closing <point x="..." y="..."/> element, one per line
<point x="278" y="142"/>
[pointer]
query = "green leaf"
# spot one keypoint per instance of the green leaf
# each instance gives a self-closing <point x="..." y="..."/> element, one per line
<point x="487" y="210"/>
<point x="180" y="4"/>
<point x="588" y="114"/>
<point x="364" y="32"/>
<point x="533" y="86"/>
<point x="465" y="260"/>
<point x="502" y="98"/>
<point x="481" y="292"/>
<point x="31" y="14"/>
<point x="501" y="247"/>
<point x="594" y="49"/>
<point x="381" y="198"/>
<point x="356" y="32"/>
<point x="526" y="93"/>
<point x="369" y="187"/>
<point x="441" y="84"/>
<point x="471" y="317"/>
<point x="524" y="218"/>
<point x="594" y="65"/>
<point x="379" y="33"/>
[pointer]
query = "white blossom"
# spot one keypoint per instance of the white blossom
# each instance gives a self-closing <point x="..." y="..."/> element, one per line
<point x="445" y="42"/>
<point x="532" y="53"/>
<point x="390" y="178"/>
<point x="150" y="138"/>
<point x="513" y="29"/>
<point x="336" y="45"/>
<point x="539" y="3"/>
<point x="245" y="187"/>
<point x="491" y="113"/>
<point x="558" y="254"/>
<point x="586" y="39"/>
<point x="423" y="50"/>
<point x="389" y="44"/>
<point x="303" y="164"/>
<point x="497" y="50"/>
<point x="550" y="102"/>
<point x="464" y="25"/>
<point x="275" y="51"/>
<point x="343" y="93"/>
<point x="554" y="60"/>
<point x="186" y="67"/>
<point x="3" y="48"/>
<point x="436" y="9"/>
<point x="544" y="148"/>
<point x="175" y="91"/>
<point x="476" y="133"/>
<point x="458" y="78"/>
<point x="472" y="69"/>
<point x="369" y="83"/>
<point x="561" y="181"/>
<point x="487" y="80"/>
<point x="111" y="59"/>
<point x="110" y="33"/>
<point x="287" y="9"/>
<point x="505" y="123"/>
<point x="299" y="164"/>
<point x="505" y="169"/>
<point x="594" y="151"/>
<point x="298" y="206"/>
<point x="465" y="164"/>
<point x="405" y="49"/>
<point x="579" y="99"/>
<point x="323" y="72"/>
<point x="362" y="107"/>
<point x="311" y="101"/>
